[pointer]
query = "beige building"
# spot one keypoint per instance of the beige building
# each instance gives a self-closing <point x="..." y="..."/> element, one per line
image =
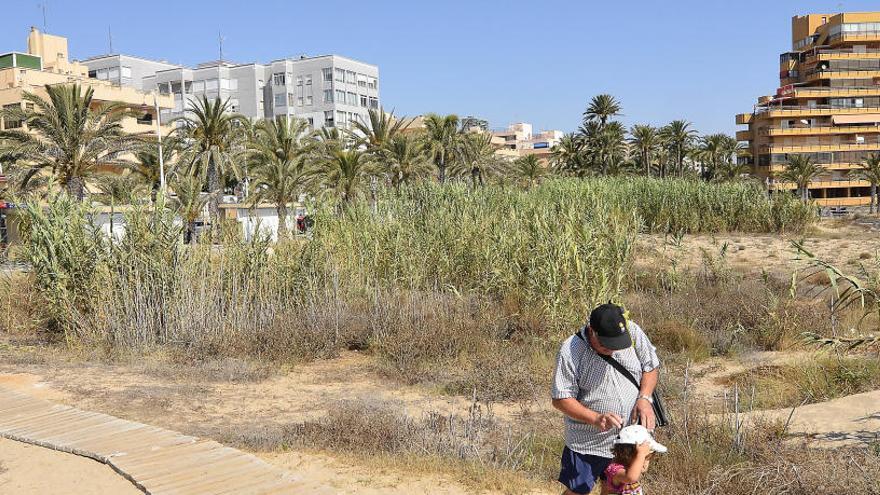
<point x="520" y="138"/>
<point x="47" y="62"/>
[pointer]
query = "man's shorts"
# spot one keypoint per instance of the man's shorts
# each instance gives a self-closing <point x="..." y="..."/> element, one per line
<point x="580" y="471"/>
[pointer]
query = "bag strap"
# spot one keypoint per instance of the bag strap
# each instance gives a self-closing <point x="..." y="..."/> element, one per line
<point x="614" y="364"/>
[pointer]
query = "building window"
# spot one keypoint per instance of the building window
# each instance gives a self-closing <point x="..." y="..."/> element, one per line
<point x="340" y="96"/>
<point x="299" y="80"/>
<point x="328" y="74"/>
<point x="279" y="100"/>
<point x="328" y="96"/>
<point x="364" y="101"/>
<point x="308" y="79"/>
<point x="102" y="74"/>
<point x="340" y="119"/>
<point x="340" y="75"/>
<point x="93" y="74"/>
<point x="114" y="73"/>
<point x="350" y="77"/>
<point x="362" y="80"/>
<point x="328" y="118"/>
<point x="163" y="88"/>
<point x="372" y="83"/>
<point x="278" y="79"/>
<point x="311" y="121"/>
<point x="198" y="86"/>
<point x="374" y="102"/>
<point x="309" y="100"/>
<point x="300" y="101"/>
<point x="126" y="72"/>
<point x="352" y="99"/>
<point x="8" y="122"/>
<point x="211" y="84"/>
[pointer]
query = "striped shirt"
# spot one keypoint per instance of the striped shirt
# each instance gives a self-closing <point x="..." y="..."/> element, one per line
<point x="581" y="374"/>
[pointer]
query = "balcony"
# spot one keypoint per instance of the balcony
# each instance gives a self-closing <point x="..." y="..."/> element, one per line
<point x="780" y="167"/>
<point x="743" y="135"/>
<point x="840" y="74"/>
<point x="743" y="118"/>
<point x="814" y="111"/>
<point x="828" y="92"/>
<point x="819" y="129"/>
<point x="819" y="148"/>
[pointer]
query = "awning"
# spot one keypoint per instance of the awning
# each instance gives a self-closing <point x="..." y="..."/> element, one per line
<point x="865" y="118"/>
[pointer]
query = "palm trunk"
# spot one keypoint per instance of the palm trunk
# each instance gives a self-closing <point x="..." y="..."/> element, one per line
<point x="76" y="188"/>
<point x="190" y="232"/>
<point x="874" y="205"/>
<point x="214" y="200"/>
<point x="281" y="210"/>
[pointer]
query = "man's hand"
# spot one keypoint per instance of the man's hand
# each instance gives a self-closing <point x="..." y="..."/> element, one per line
<point x="606" y="421"/>
<point x="644" y="413"/>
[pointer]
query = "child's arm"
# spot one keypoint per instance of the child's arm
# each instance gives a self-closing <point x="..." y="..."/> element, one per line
<point x="633" y="472"/>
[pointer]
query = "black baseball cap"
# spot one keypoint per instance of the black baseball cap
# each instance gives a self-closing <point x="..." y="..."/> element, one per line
<point x="609" y="324"/>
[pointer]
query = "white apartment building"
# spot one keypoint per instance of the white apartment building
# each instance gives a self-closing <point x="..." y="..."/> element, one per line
<point x="329" y="90"/>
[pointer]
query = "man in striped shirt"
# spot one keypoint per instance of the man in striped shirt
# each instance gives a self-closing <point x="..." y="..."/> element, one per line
<point x="598" y="400"/>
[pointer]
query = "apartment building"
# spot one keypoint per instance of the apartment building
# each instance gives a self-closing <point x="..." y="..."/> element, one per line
<point x="827" y="107"/>
<point x="47" y="63"/>
<point x="330" y="90"/>
<point x="520" y="138"/>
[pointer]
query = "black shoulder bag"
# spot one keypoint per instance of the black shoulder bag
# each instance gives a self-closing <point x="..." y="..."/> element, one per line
<point x="660" y="417"/>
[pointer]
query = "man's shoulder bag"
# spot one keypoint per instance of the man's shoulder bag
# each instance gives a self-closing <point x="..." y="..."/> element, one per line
<point x="660" y="417"/>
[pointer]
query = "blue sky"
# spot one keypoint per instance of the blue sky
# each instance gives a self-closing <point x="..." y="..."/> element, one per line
<point x="505" y="61"/>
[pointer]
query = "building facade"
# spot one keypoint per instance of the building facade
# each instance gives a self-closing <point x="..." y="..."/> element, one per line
<point x="46" y="63"/>
<point x="520" y="138"/>
<point x="827" y="107"/>
<point x="326" y="91"/>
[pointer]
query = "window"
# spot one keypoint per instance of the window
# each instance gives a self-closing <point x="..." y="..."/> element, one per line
<point x="291" y="98"/>
<point x="362" y="80"/>
<point x="372" y="83"/>
<point x="308" y="79"/>
<point x="340" y="96"/>
<point x="328" y="74"/>
<point x="340" y="118"/>
<point x="102" y="74"/>
<point x="278" y="79"/>
<point x="328" y="96"/>
<point x="93" y="74"/>
<point x="113" y="73"/>
<point x="279" y="100"/>
<point x="163" y="88"/>
<point x="340" y="75"/>
<point x="374" y="102"/>
<point x="350" y="77"/>
<point x="198" y="86"/>
<point x="352" y="99"/>
<point x="10" y="123"/>
<point x="311" y="121"/>
<point x="126" y="72"/>
<point x="364" y="101"/>
<point x="309" y="100"/>
<point x="300" y="101"/>
<point x="211" y="84"/>
<point x="328" y="118"/>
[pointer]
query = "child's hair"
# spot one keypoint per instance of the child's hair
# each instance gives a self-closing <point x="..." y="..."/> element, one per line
<point x="624" y="453"/>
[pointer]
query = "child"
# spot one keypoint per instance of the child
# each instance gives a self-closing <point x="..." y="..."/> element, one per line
<point x="632" y="454"/>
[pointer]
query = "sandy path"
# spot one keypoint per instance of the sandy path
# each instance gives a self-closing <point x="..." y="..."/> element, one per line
<point x="30" y="470"/>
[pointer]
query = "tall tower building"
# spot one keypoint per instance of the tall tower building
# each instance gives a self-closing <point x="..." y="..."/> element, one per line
<point x="827" y="107"/>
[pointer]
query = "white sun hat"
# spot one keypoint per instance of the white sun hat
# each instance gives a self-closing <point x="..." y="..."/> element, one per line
<point x="636" y="434"/>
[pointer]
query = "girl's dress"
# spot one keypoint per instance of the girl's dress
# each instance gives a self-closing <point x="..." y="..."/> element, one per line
<point x="622" y="489"/>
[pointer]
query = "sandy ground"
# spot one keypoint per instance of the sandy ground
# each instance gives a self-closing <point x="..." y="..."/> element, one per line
<point x="30" y="470"/>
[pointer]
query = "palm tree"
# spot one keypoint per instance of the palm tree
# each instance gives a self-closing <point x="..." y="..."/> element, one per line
<point x="645" y="140"/>
<point x="870" y="171"/>
<point x="146" y="165"/>
<point x="608" y="147"/>
<point x="442" y="140"/>
<point x="679" y="137"/>
<point x="529" y="169"/>
<point x="67" y="136"/>
<point x="188" y="201"/>
<point x="731" y="171"/>
<point x="277" y="165"/>
<point x="379" y="130"/>
<point x="344" y="174"/>
<point x="801" y="170"/>
<point x="406" y="160"/>
<point x="569" y="155"/>
<point x="213" y="140"/>
<point x="718" y="151"/>
<point x="476" y="158"/>
<point x="601" y="108"/>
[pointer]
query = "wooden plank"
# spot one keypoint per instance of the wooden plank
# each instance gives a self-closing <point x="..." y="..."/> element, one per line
<point x="158" y="461"/>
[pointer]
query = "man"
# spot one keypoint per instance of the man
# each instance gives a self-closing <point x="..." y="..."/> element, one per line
<point x="597" y="399"/>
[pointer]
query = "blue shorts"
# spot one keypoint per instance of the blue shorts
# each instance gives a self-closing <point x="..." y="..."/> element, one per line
<point x="579" y="472"/>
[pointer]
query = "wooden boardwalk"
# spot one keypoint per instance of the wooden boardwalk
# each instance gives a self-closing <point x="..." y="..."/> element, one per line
<point x="156" y="460"/>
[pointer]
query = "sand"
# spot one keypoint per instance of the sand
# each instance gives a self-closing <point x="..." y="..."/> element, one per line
<point x="30" y="470"/>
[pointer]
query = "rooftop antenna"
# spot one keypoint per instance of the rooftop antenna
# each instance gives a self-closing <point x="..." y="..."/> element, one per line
<point x="110" y="37"/>
<point x="42" y="7"/>
<point x="220" y="38"/>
